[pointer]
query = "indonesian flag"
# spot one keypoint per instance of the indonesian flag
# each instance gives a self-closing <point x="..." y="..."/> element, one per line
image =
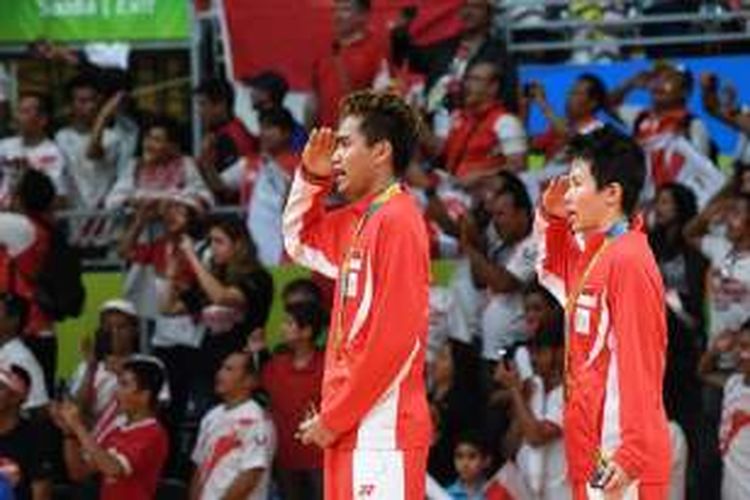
<point x="672" y="158"/>
<point x="507" y="484"/>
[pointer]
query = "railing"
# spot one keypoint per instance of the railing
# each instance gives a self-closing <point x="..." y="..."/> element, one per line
<point x="96" y="233"/>
<point x="706" y="26"/>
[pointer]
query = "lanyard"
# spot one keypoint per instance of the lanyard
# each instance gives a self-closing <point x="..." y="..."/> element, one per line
<point x="617" y="230"/>
<point x="338" y="330"/>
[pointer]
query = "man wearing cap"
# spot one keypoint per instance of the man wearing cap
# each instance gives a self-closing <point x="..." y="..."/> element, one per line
<point x="13" y="313"/>
<point x="94" y="383"/>
<point x="25" y="462"/>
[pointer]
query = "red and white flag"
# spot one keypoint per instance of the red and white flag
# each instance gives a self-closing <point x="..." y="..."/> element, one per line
<point x="672" y="158"/>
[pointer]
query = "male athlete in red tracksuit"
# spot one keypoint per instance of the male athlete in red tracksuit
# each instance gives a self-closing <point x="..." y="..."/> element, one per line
<point x="374" y="422"/>
<point x="616" y="324"/>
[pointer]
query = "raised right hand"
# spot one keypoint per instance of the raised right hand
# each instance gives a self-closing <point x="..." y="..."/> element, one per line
<point x="553" y="199"/>
<point x="318" y="151"/>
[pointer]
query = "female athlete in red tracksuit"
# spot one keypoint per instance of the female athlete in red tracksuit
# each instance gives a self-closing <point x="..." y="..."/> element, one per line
<point x="616" y="333"/>
<point x="373" y="395"/>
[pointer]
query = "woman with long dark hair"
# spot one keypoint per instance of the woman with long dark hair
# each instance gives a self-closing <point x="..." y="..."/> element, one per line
<point x="683" y="270"/>
<point x="233" y="297"/>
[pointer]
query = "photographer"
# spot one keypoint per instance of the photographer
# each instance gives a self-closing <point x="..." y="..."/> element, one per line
<point x="585" y="100"/>
<point x="670" y="88"/>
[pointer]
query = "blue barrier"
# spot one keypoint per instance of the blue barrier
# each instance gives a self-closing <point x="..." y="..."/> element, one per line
<point x="558" y="79"/>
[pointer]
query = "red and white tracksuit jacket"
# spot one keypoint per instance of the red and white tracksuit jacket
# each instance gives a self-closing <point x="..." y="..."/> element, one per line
<point x="373" y="393"/>
<point x="617" y="342"/>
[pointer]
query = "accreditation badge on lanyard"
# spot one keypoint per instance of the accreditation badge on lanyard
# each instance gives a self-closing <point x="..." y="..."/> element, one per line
<point x="354" y="267"/>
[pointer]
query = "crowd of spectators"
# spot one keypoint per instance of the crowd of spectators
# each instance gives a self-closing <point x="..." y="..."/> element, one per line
<point x="178" y="393"/>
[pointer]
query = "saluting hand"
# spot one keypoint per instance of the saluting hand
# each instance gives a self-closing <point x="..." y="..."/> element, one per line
<point x="553" y="199"/>
<point x="318" y="151"/>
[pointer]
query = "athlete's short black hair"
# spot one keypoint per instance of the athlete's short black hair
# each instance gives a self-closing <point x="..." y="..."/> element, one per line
<point x="386" y="117"/>
<point x="613" y="159"/>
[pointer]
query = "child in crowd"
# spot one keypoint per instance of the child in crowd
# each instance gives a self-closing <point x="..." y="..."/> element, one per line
<point x="537" y="412"/>
<point x="734" y="431"/>
<point x="541" y="313"/>
<point x="454" y="403"/>
<point x="293" y="378"/>
<point x="471" y="460"/>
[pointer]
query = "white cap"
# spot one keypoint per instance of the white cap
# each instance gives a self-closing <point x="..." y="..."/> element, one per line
<point x="189" y="200"/>
<point x="119" y="305"/>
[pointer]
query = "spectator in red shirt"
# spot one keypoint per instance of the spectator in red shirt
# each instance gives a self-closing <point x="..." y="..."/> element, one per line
<point x="355" y="59"/>
<point x="670" y="88"/>
<point x="25" y="237"/>
<point x="293" y="378"/>
<point x="227" y="135"/>
<point x="130" y="454"/>
<point x="484" y="137"/>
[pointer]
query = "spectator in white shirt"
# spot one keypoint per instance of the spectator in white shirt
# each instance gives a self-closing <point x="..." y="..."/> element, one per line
<point x="94" y="151"/>
<point x="31" y="148"/>
<point x="504" y="268"/>
<point x="734" y="430"/>
<point x="538" y="415"/>
<point x="13" y="312"/>
<point x="161" y="172"/>
<point x="264" y="181"/>
<point x="729" y="255"/>
<point x="234" y="452"/>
